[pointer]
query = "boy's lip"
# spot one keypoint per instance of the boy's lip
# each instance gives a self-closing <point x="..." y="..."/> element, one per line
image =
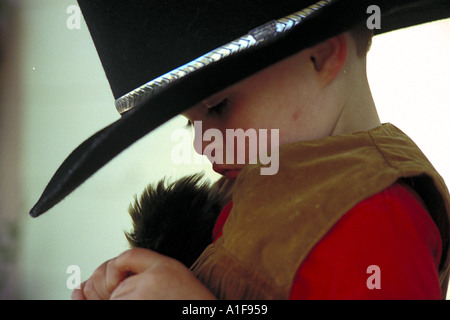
<point x="230" y="173"/>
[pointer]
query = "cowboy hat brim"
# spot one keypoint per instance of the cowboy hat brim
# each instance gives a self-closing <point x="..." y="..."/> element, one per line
<point x="330" y="19"/>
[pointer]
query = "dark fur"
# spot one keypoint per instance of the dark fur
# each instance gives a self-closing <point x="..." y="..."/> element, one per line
<point x="176" y="219"/>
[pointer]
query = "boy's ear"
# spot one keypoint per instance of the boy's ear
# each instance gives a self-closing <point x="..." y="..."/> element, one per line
<point x="329" y="57"/>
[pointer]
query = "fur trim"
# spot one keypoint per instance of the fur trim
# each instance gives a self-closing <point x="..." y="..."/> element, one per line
<point x="176" y="219"/>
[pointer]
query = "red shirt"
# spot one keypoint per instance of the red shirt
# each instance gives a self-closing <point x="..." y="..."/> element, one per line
<point x="386" y="247"/>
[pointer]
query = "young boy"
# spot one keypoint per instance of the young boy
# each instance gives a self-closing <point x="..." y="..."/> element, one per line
<point x="353" y="210"/>
<point x="320" y="100"/>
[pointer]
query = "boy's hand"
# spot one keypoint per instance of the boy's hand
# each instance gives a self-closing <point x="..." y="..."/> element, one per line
<point x="142" y="274"/>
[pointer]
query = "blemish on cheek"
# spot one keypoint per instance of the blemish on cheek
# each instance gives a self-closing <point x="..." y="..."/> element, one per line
<point x="295" y="115"/>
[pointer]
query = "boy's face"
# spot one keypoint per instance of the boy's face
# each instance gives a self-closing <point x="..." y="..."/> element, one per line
<point x="286" y="96"/>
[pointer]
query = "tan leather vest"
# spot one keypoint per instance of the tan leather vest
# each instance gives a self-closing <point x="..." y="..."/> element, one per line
<point x="276" y="220"/>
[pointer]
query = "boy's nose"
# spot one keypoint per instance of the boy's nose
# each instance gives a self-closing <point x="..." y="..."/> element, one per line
<point x="215" y="152"/>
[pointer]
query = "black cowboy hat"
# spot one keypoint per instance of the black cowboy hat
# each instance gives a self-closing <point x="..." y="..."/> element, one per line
<point x="162" y="57"/>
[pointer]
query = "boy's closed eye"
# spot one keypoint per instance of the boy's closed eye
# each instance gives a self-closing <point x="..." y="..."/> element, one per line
<point x="213" y="110"/>
<point x="218" y="108"/>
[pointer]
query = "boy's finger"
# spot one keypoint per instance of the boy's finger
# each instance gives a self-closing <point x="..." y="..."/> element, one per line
<point x="130" y="262"/>
<point x="98" y="281"/>
<point x="90" y="292"/>
<point x="78" y="294"/>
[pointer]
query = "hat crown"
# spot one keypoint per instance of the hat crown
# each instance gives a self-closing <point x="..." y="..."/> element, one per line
<point x="139" y="40"/>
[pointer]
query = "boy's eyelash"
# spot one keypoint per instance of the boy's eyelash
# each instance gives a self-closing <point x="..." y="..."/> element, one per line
<point x="216" y="109"/>
<point x="219" y="108"/>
